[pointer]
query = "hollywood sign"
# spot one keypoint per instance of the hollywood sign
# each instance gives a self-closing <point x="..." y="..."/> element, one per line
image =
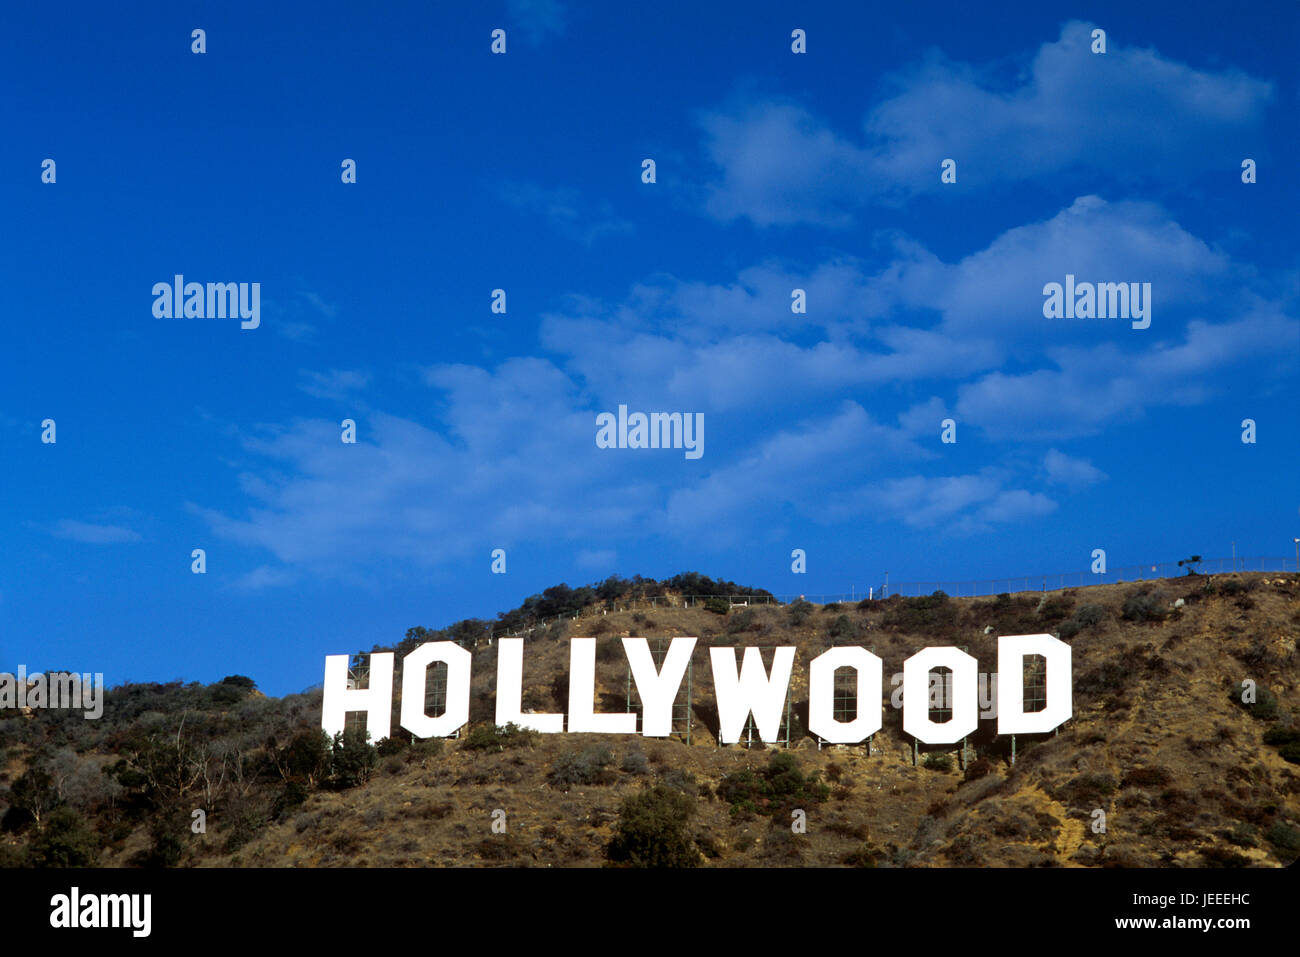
<point x="740" y="692"/>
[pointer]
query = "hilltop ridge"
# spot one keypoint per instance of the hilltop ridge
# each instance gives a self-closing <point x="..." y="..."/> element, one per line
<point x="1182" y="772"/>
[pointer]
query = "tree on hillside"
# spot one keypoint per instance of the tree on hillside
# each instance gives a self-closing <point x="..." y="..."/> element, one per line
<point x="165" y="767"/>
<point x="306" y="758"/>
<point x="353" y="757"/>
<point x="652" y="830"/>
<point x="64" y="841"/>
<point x="32" y="796"/>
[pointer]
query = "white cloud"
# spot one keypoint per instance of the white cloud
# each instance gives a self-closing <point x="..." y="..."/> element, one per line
<point x="782" y="166"/>
<point x="1064" y="470"/>
<point x="517" y="461"/>
<point x="508" y="453"/>
<point x="92" y="534"/>
<point x="596" y="560"/>
<point x="328" y="310"/>
<point x="1092" y="387"/>
<point x="1129" y="113"/>
<point x="736" y="346"/>
<point x="334" y="384"/>
<point x="265" y="576"/>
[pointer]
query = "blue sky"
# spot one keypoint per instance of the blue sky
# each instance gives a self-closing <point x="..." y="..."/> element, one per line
<point x="476" y="431"/>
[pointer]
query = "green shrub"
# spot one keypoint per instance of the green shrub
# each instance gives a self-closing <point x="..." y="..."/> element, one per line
<point x="742" y="622"/>
<point x="1056" y="608"/>
<point x="64" y="841"/>
<point x="1090" y="615"/>
<point x="1290" y="752"/>
<point x="293" y="795"/>
<point x="783" y="847"/>
<point x="587" y="767"/>
<point x="798" y="612"/>
<point x="1085" y="617"/>
<point x="1243" y="835"/>
<point x="923" y="613"/>
<point x="1145" y="606"/>
<point x="232" y="689"/>
<point x="1284" y="837"/>
<point x="393" y="764"/>
<point x="774" y="789"/>
<point x="635" y="762"/>
<point x="243" y="829"/>
<point x="719" y="606"/>
<point x="352" y="758"/>
<point x="490" y="737"/>
<point x="843" y="627"/>
<point x="424" y="748"/>
<point x="652" y="830"/>
<point x="681" y="780"/>
<point x="307" y="756"/>
<point x="1279" y="735"/>
<point x="937" y="761"/>
<point x="1264" y="707"/>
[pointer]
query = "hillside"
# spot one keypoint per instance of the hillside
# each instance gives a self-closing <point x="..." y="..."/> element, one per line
<point x="1185" y="774"/>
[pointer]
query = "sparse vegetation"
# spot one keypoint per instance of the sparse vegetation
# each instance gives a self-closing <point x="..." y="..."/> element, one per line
<point x="746" y="620"/>
<point x="653" y="830"/>
<point x="490" y="737"/>
<point x="1263" y="708"/>
<point x="843" y="630"/>
<point x="63" y="841"/>
<point x="1150" y="777"/>
<point x="924" y="614"/>
<point x="352" y="758"/>
<point x="1145" y="605"/>
<point x="1199" y="790"/>
<point x="937" y="761"/>
<point x="1284" y="837"/>
<point x="1086" y="617"/>
<point x="797" y="613"/>
<point x="719" y="606"/>
<point x="774" y="790"/>
<point x="589" y="766"/>
<point x="635" y="762"/>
